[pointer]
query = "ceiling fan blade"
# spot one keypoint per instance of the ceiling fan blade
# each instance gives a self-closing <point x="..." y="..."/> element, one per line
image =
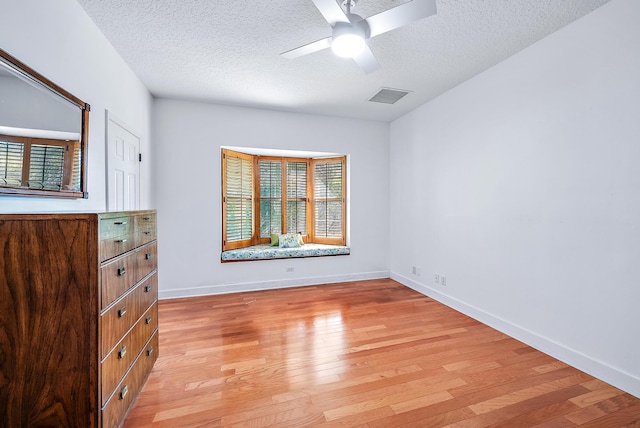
<point x="400" y="16"/>
<point x="312" y="47"/>
<point x="331" y="11"/>
<point x="367" y="62"/>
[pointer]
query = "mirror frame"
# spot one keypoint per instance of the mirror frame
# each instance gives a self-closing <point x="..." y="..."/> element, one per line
<point x="31" y="74"/>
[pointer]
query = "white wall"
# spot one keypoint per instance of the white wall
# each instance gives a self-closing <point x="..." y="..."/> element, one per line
<point x="188" y="136"/>
<point x="58" y="40"/>
<point x="522" y="187"/>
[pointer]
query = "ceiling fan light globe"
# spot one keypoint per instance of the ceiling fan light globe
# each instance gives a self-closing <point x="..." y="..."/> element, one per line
<point x="347" y="45"/>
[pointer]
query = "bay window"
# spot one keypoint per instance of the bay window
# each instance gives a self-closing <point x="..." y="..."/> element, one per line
<point x="265" y="195"/>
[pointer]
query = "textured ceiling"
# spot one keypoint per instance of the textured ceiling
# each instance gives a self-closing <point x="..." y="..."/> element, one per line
<point x="227" y="51"/>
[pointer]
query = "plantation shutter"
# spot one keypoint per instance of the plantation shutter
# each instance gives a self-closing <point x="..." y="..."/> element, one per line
<point x="270" y="197"/>
<point x="329" y="184"/>
<point x="237" y="200"/>
<point x="297" y="197"/>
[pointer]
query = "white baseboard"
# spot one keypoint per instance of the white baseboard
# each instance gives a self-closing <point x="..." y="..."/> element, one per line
<point x="599" y="369"/>
<point x="208" y="290"/>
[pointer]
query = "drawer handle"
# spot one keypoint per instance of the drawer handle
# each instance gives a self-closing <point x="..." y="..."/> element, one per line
<point x="122" y="311"/>
<point x="147" y="233"/>
<point x="146" y="218"/>
<point x="148" y="319"/>
<point x="147" y="288"/>
<point x="149" y="350"/>
<point x="123" y="392"/>
<point x="122" y="270"/>
<point x="120" y="223"/>
<point x="122" y="352"/>
<point x="147" y="256"/>
<point x="120" y="241"/>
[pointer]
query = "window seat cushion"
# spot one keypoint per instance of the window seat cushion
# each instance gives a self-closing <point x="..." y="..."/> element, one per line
<point x="267" y="252"/>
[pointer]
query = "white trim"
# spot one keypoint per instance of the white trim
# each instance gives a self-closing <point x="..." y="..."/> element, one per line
<point x="281" y="152"/>
<point x="241" y="287"/>
<point x="596" y="368"/>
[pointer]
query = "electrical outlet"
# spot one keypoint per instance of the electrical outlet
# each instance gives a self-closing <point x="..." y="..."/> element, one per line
<point x="443" y="280"/>
<point x="418" y="271"/>
<point x="436" y="279"/>
<point x="289" y="268"/>
<point x="413" y="271"/>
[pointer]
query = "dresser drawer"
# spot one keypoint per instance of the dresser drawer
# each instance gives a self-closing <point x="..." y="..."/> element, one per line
<point x="118" y="319"/>
<point x="118" y="361"/>
<point x="117" y="235"/>
<point x="146" y="260"/>
<point x="113" y="247"/>
<point x="122" y="273"/>
<point x="145" y="228"/>
<point x="127" y="390"/>
<point x="116" y="226"/>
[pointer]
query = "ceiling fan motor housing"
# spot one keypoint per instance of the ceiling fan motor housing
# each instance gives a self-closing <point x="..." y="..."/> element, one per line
<point x="356" y="25"/>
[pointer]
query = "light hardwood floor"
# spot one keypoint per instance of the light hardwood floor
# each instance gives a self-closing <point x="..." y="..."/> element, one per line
<point x="358" y="354"/>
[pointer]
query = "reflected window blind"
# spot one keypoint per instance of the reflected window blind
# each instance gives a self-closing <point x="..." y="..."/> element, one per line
<point x="328" y="199"/>
<point x="238" y="198"/>
<point x="270" y="197"/>
<point x="46" y="167"/>
<point x="11" y="155"/>
<point x="297" y="197"/>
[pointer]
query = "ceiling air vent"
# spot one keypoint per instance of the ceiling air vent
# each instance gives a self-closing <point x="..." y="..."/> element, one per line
<point x="388" y="96"/>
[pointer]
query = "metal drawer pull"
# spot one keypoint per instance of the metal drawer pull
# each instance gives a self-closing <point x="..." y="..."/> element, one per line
<point x="123" y="392"/>
<point x="149" y="350"/>
<point x="147" y="288"/>
<point x="120" y="223"/>
<point x="122" y="352"/>
<point x="122" y="311"/>
<point x="120" y="241"/>
<point x="146" y="218"/>
<point x="122" y="270"/>
<point x="147" y="233"/>
<point x="147" y="256"/>
<point x="148" y="319"/>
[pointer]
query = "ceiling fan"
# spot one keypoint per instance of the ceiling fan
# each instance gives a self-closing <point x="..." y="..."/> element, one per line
<point x="349" y="31"/>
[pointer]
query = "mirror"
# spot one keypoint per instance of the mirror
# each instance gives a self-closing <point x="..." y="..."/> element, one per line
<point x="43" y="135"/>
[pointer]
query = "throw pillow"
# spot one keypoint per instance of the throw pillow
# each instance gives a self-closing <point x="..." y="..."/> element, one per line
<point x="288" y="240"/>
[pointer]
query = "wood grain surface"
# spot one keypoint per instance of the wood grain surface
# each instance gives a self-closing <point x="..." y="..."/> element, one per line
<point x="46" y="336"/>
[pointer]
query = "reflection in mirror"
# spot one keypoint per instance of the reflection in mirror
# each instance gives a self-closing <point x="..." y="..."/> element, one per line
<point x="43" y="135"/>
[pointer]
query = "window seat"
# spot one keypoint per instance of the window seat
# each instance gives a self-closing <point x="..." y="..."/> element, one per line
<point x="267" y="252"/>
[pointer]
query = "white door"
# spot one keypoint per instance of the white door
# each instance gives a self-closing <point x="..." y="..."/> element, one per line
<point x="123" y="167"/>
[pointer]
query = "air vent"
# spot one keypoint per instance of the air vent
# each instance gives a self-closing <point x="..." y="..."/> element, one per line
<point x="388" y="96"/>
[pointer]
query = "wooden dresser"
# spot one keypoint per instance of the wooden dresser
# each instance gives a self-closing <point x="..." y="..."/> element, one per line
<point x="78" y="316"/>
